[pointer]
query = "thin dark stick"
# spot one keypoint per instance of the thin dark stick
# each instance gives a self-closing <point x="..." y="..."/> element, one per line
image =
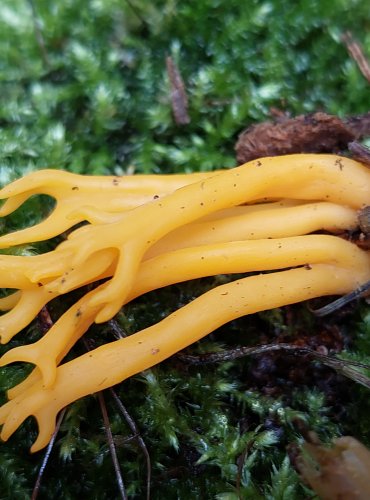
<point x="341" y="366"/>
<point x="110" y="440"/>
<point x="342" y="301"/>
<point x="112" y="448"/>
<point x="134" y="429"/>
<point x="239" y="352"/>
<point x="120" y="333"/>
<point x="45" y="460"/>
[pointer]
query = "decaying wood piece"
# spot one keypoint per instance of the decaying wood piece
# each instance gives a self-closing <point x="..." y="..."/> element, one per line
<point x="337" y="472"/>
<point x="313" y="133"/>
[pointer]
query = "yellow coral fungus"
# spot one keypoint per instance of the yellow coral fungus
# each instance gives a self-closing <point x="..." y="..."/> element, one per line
<point x="196" y="262"/>
<point x="77" y="195"/>
<point x="112" y="363"/>
<point x="146" y="232"/>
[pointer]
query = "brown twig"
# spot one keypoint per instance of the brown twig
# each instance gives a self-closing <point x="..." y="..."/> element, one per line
<point x="110" y="440"/>
<point x="239" y="352"/>
<point x="312" y="133"/>
<point x="341" y="366"/>
<point x="356" y="52"/>
<point x="179" y="100"/>
<point x="132" y="425"/>
<point x="361" y="291"/>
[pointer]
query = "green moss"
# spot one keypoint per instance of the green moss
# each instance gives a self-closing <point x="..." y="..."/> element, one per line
<point x="84" y="88"/>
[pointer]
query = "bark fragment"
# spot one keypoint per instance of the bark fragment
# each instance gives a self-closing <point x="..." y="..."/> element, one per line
<point x="313" y="133"/>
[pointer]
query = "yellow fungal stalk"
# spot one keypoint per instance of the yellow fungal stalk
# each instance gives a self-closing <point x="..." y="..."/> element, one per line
<point x="147" y="232"/>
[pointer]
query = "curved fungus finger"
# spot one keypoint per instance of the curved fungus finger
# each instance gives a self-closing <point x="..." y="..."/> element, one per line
<point x="25" y="310"/>
<point x="114" y="362"/>
<point x="11" y="204"/>
<point x="271" y="222"/>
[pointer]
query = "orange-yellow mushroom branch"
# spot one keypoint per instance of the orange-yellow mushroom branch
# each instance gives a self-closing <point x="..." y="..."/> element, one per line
<point x="146" y="232"/>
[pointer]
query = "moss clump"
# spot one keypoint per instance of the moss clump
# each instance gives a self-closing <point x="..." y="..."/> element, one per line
<point x="84" y="87"/>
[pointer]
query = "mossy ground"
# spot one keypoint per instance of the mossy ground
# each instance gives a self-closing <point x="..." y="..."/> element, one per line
<point x="84" y="87"/>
